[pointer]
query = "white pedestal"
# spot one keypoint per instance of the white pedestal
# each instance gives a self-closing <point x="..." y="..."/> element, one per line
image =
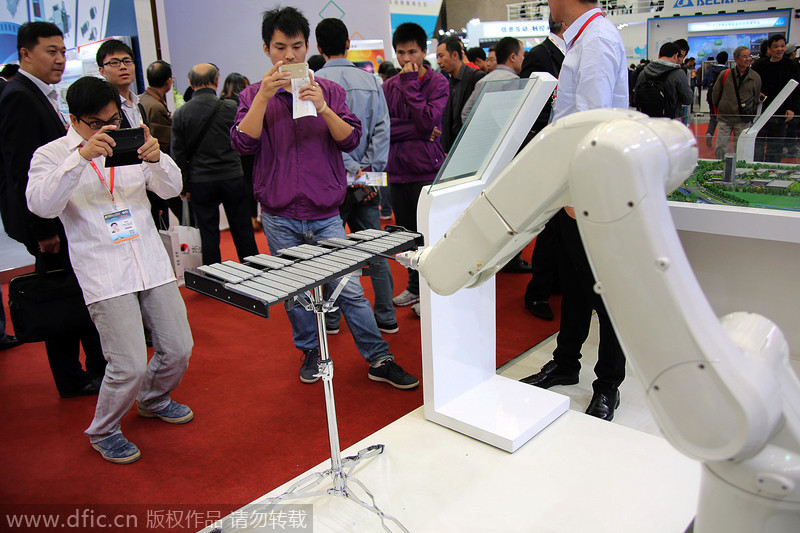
<point x="461" y="388"/>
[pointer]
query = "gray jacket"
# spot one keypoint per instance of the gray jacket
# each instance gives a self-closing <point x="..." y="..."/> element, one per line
<point x="676" y="86"/>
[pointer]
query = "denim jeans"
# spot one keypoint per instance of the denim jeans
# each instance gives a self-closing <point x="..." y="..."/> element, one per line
<point x="360" y="217"/>
<point x="285" y="233"/>
<point x="129" y="376"/>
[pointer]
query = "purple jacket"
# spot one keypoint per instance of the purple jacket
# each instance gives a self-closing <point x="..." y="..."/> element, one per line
<point x="298" y="171"/>
<point x="415" y="107"/>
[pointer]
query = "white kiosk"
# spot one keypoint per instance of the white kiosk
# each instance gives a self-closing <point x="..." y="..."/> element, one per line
<point x="462" y="390"/>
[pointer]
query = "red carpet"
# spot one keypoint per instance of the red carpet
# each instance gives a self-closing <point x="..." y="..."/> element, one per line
<point x="256" y="425"/>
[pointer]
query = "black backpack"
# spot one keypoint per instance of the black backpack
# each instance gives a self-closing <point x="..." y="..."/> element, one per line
<point x="651" y="96"/>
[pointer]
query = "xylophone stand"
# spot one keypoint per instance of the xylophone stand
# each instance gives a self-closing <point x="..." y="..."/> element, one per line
<point x="341" y="468"/>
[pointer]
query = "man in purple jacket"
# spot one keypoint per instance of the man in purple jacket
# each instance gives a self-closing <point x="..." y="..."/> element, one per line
<point x="416" y="98"/>
<point x="300" y="181"/>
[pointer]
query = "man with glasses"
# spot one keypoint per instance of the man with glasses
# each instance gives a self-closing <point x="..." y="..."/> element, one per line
<point x="29" y="118"/>
<point x="735" y="97"/>
<point x="115" y="62"/>
<point x="124" y="271"/>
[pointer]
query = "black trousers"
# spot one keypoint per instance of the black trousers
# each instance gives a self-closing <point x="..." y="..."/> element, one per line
<point x="544" y="264"/>
<point x="63" y="352"/>
<point x="206" y="198"/>
<point x="577" y="303"/>
<point x="405" y="197"/>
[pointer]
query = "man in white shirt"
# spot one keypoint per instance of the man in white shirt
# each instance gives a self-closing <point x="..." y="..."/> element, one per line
<point x="125" y="275"/>
<point x="593" y="76"/>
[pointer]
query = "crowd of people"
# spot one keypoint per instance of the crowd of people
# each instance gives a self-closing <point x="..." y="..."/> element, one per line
<point x="242" y="149"/>
<point x="735" y="93"/>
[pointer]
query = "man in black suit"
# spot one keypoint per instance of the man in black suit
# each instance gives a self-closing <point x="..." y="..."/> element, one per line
<point x="544" y="57"/>
<point x="28" y="120"/>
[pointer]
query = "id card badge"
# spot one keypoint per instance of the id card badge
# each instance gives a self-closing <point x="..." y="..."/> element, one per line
<point x="120" y="226"/>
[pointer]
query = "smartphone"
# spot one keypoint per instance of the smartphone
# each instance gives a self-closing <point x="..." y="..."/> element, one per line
<point x="128" y="141"/>
<point x="297" y="70"/>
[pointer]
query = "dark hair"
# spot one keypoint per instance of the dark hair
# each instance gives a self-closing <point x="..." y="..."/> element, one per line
<point x="453" y="44"/>
<point x="555" y="27"/>
<point x="476" y="52"/>
<point x="683" y="45"/>
<point x="233" y="85"/>
<point x="775" y="38"/>
<point x="332" y="37"/>
<point x="387" y="69"/>
<point x="722" y="58"/>
<point x="30" y="32"/>
<point x="9" y="70"/>
<point x="158" y="73"/>
<point x="686" y="61"/>
<point x="505" y="47"/>
<point x="668" y="50"/>
<point x="89" y="95"/>
<point x="316" y="62"/>
<point x="198" y="79"/>
<point x="493" y="49"/>
<point x="410" y="32"/>
<point x="111" y="47"/>
<point x="287" y="20"/>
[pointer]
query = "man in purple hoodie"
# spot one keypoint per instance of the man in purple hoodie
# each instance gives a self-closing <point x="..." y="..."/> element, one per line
<point x="416" y="98"/>
<point x="299" y="179"/>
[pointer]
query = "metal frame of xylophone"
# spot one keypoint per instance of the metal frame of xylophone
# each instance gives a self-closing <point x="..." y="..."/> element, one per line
<point x="299" y="274"/>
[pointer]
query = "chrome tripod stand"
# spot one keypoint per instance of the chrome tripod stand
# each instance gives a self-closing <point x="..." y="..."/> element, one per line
<point x="341" y="468"/>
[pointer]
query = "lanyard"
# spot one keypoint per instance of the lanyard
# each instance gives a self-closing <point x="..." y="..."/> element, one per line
<point x="600" y="14"/>
<point x="109" y="185"/>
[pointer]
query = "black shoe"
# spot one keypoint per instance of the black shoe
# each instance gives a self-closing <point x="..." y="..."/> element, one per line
<point x="603" y="404"/>
<point x="93" y="387"/>
<point x="331" y="330"/>
<point x="541" y="310"/>
<point x="387" y="327"/>
<point x="393" y="374"/>
<point x="517" y="266"/>
<point x="9" y="341"/>
<point x="309" y="372"/>
<point x="551" y="375"/>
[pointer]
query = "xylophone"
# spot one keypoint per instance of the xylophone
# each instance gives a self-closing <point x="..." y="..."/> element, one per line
<point x="262" y="281"/>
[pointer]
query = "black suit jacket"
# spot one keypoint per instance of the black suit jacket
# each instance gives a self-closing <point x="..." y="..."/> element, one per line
<point x="3" y="84"/>
<point x="27" y="121"/>
<point x="544" y="57"/>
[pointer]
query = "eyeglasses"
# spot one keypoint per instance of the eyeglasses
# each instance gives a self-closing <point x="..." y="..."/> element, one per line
<point x="116" y="62"/>
<point x="745" y="57"/>
<point x="97" y="124"/>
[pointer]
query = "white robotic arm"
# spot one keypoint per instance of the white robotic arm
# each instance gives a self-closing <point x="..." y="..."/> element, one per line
<point x="722" y="392"/>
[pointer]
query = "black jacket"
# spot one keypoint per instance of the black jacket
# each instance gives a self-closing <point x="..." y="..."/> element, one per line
<point x="214" y="159"/>
<point x="27" y="121"/>
<point x="544" y="57"/>
<point x="787" y="70"/>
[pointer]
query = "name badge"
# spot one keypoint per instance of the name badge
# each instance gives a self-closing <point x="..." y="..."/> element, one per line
<point x="120" y="226"/>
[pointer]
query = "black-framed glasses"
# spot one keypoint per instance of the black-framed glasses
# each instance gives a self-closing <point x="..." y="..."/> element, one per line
<point x="97" y="124"/>
<point x="116" y="62"/>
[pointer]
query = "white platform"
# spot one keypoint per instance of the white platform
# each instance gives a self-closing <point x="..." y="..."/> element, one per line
<point x="579" y="474"/>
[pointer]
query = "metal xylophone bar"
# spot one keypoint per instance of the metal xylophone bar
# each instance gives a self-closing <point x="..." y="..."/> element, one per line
<point x="265" y="280"/>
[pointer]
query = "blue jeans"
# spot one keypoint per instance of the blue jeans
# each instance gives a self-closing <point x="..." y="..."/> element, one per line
<point x="360" y="217"/>
<point x="285" y="233"/>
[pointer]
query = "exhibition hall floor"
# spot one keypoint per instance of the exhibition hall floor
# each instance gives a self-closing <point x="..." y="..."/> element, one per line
<point x="579" y="474"/>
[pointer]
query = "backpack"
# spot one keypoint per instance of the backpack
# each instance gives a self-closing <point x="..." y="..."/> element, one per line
<point x="714" y="78"/>
<point x="651" y="96"/>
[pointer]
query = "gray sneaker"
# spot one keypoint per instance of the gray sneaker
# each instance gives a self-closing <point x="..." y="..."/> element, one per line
<point x="405" y="298"/>
<point x="117" y="449"/>
<point x="393" y="374"/>
<point x="174" y="413"/>
<point x="309" y="372"/>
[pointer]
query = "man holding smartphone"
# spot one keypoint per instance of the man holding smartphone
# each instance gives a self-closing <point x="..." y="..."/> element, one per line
<point x="299" y="178"/>
<point x="121" y="264"/>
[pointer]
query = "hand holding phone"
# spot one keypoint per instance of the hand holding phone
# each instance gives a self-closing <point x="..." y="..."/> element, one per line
<point x="127" y="142"/>
<point x="296" y="70"/>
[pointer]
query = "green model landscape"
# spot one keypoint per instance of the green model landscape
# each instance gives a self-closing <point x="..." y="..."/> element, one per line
<point x="755" y="185"/>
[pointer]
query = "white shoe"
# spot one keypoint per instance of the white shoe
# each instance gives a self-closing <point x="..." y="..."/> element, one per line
<point x="405" y="298"/>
